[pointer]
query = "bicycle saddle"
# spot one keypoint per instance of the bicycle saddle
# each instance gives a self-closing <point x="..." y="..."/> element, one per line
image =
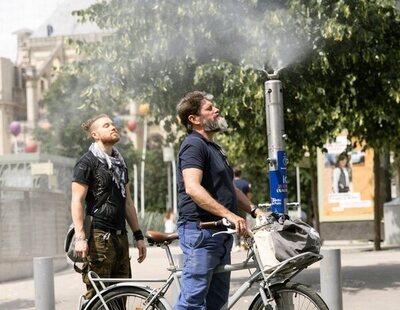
<point x="160" y="237"/>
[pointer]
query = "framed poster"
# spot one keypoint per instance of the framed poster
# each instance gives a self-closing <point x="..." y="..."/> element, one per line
<point x="345" y="182"/>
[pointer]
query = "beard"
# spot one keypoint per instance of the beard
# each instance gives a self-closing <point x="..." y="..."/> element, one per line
<point x="110" y="139"/>
<point x="217" y="125"/>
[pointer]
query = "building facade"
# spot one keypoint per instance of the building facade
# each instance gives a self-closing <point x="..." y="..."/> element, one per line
<point x="40" y="53"/>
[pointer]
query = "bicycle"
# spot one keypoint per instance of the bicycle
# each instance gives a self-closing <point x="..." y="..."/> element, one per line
<point x="275" y="290"/>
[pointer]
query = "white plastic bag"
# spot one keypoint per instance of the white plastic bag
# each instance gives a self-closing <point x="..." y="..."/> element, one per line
<point x="265" y="248"/>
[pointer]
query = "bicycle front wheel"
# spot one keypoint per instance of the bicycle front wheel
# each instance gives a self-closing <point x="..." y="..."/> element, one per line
<point x="291" y="296"/>
<point x="128" y="298"/>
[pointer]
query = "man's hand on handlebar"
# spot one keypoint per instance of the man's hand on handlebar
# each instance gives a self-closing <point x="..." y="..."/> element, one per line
<point x="239" y="222"/>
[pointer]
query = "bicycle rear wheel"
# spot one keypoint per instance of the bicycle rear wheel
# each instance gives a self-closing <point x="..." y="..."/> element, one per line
<point x="291" y="296"/>
<point x="127" y="298"/>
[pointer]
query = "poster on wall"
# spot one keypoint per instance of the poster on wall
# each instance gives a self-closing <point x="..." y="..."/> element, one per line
<point x="345" y="182"/>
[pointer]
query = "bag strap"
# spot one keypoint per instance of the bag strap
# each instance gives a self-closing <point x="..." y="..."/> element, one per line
<point x="80" y="270"/>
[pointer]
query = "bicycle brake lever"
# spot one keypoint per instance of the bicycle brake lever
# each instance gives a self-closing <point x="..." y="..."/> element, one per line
<point x="228" y="231"/>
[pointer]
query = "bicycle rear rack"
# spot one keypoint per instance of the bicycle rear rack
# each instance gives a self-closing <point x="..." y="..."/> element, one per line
<point x="291" y="267"/>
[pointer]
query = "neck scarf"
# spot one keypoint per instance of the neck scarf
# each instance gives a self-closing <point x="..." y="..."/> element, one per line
<point x="114" y="163"/>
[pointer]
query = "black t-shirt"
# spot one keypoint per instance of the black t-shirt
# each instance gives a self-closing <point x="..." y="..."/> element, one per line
<point x="104" y="199"/>
<point x="198" y="152"/>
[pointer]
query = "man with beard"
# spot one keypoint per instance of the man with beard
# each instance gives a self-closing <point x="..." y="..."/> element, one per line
<point x="100" y="183"/>
<point x="206" y="193"/>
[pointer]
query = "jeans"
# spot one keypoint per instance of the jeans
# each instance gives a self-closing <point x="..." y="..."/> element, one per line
<point x="202" y="253"/>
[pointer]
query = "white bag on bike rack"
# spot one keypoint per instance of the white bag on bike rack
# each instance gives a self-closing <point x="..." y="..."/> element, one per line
<point x="265" y="248"/>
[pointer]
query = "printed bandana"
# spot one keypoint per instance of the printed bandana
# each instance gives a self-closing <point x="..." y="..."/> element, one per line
<point x="115" y="163"/>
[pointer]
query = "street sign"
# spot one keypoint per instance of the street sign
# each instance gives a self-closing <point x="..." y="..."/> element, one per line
<point x="168" y="154"/>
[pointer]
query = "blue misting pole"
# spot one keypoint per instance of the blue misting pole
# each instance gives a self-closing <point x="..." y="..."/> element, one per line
<point x="277" y="160"/>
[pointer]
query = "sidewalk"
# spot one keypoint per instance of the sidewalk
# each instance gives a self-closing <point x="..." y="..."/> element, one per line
<point x="371" y="279"/>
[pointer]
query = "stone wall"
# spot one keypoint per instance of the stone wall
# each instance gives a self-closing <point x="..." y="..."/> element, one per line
<point x="33" y="224"/>
<point x="34" y="211"/>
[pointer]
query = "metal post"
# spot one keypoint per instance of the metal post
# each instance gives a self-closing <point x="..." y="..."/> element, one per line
<point x="331" y="279"/>
<point x="298" y="191"/>
<point x="174" y="188"/>
<point x="44" y="283"/>
<point x="277" y="161"/>
<point x="142" y="194"/>
<point x="135" y="186"/>
<point x="169" y="182"/>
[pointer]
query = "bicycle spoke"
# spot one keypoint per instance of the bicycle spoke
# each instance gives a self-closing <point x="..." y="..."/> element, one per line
<point x="128" y="299"/>
<point x="291" y="296"/>
<point x="294" y="301"/>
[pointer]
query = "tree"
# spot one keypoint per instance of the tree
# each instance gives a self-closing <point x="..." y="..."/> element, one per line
<point x="62" y="103"/>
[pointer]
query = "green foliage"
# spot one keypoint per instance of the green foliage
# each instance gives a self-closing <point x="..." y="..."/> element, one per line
<point x="156" y="181"/>
<point x="65" y="137"/>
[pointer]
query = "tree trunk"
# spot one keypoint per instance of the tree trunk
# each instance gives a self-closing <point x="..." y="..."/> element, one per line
<point x="314" y="189"/>
<point x="377" y="202"/>
<point x="382" y="192"/>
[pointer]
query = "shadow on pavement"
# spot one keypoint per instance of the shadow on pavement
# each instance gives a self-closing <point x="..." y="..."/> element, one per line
<point x="357" y="278"/>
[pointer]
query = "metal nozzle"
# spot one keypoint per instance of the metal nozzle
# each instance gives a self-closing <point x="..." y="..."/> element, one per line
<point x="273" y="76"/>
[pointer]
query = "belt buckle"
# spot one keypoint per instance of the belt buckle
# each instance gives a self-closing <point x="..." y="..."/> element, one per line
<point x="118" y="232"/>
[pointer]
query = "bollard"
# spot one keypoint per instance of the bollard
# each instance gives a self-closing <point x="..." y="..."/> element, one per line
<point x="178" y="258"/>
<point x="43" y="275"/>
<point x="331" y="279"/>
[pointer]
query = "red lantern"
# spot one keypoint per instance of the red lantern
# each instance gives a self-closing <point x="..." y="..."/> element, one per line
<point x="132" y="125"/>
<point x="30" y="147"/>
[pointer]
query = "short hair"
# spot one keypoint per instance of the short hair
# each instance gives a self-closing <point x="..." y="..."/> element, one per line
<point x="237" y="172"/>
<point x="190" y="105"/>
<point x="87" y="125"/>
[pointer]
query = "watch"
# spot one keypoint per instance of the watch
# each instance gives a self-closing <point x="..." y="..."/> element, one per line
<point x="253" y="211"/>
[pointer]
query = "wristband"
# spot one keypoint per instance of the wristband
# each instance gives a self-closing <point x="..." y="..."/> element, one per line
<point x="138" y="235"/>
<point x="253" y="211"/>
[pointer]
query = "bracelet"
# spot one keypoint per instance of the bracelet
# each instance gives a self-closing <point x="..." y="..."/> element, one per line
<point x="79" y="240"/>
<point x="138" y="235"/>
<point x="253" y="211"/>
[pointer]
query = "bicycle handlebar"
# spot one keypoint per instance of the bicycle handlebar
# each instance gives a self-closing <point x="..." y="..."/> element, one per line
<point x="222" y="223"/>
<point x="267" y="204"/>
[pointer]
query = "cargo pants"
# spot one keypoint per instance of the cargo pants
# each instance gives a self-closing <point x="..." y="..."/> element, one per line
<point x="108" y="257"/>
